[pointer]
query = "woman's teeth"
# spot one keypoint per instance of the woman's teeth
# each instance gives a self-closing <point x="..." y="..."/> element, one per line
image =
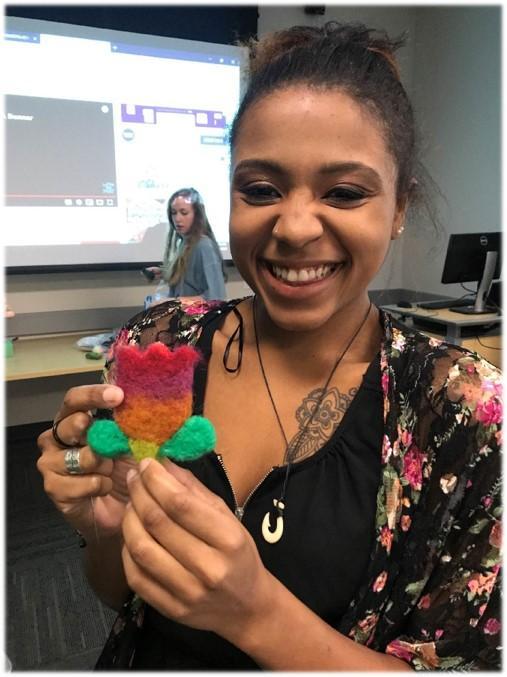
<point x="303" y="274"/>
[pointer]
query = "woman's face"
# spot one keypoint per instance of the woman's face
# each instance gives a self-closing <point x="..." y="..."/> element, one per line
<point x="182" y="214"/>
<point x="313" y="204"/>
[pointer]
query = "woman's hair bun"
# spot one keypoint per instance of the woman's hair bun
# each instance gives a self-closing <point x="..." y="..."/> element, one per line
<point x="333" y="35"/>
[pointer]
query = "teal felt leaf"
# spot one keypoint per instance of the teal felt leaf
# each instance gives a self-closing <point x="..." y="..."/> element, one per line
<point x="195" y="438"/>
<point x="107" y="439"/>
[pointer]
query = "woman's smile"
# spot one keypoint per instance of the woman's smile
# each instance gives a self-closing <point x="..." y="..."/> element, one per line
<point x="299" y="281"/>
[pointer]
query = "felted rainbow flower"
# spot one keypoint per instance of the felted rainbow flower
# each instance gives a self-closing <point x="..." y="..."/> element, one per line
<point x="154" y="418"/>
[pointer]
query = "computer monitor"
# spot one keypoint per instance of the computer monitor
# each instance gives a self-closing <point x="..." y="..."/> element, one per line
<point x="473" y="257"/>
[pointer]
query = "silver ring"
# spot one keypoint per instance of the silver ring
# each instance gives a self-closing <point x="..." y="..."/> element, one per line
<point x="71" y="460"/>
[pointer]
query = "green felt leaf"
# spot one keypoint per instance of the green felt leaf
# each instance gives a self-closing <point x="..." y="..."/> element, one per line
<point x="107" y="439"/>
<point x="195" y="438"/>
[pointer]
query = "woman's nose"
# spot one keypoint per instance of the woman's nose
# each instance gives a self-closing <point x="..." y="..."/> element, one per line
<point x="297" y="225"/>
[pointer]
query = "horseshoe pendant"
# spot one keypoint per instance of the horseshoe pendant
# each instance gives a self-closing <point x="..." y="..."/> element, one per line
<point x="276" y="535"/>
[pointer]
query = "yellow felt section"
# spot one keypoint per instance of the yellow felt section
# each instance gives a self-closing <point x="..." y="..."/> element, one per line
<point x="145" y="418"/>
<point x="142" y="449"/>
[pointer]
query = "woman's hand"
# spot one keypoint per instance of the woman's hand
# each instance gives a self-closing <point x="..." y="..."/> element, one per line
<point x="188" y="556"/>
<point x="156" y="271"/>
<point x="102" y="479"/>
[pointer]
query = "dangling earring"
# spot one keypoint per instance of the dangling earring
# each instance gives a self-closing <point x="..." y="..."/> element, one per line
<point x="400" y="230"/>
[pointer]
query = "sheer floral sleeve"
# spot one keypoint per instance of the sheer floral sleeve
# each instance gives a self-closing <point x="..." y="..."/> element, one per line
<point x="173" y="323"/>
<point x="432" y="597"/>
<point x="455" y="621"/>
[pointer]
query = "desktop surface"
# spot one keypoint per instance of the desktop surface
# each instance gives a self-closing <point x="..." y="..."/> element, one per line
<point x="479" y="333"/>
<point x="428" y="325"/>
<point x="47" y="356"/>
<point x="445" y="315"/>
<point x="446" y="323"/>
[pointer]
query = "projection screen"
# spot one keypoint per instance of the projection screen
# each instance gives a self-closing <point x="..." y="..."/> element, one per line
<point x="100" y="128"/>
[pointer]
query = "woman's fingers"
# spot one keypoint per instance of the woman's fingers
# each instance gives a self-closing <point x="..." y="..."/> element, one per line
<point x="101" y="478"/>
<point x="188" y="548"/>
<point x="72" y="489"/>
<point x="151" y="591"/>
<point x="170" y="567"/>
<point x="187" y="554"/>
<point x="95" y="479"/>
<point x="192" y="506"/>
<point x="156" y="559"/>
<point x="74" y="416"/>
<point x="53" y="458"/>
<point x="189" y="480"/>
<point x="71" y="430"/>
<point x="84" y="398"/>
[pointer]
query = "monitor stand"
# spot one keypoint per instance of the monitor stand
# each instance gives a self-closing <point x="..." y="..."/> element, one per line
<point x="480" y="307"/>
<point x="470" y="310"/>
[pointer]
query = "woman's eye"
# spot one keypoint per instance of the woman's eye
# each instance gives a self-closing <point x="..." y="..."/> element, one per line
<point x="346" y="195"/>
<point x="259" y="193"/>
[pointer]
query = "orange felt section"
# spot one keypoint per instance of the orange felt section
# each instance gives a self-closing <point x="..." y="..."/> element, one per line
<point x="144" y="418"/>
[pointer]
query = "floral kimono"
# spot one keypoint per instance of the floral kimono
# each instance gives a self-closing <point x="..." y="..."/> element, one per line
<point x="431" y="593"/>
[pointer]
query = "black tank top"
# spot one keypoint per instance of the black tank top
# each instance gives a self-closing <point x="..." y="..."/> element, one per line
<point x="329" y="524"/>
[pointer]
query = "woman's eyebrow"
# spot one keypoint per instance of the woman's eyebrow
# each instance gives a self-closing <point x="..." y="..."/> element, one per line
<point x="328" y="168"/>
<point x="346" y="167"/>
<point x="260" y="165"/>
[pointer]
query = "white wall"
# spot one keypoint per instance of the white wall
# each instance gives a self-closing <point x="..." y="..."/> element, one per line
<point x="89" y="290"/>
<point x="456" y="94"/>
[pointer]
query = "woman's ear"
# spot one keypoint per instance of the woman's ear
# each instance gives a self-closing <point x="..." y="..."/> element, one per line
<point x="399" y="219"/>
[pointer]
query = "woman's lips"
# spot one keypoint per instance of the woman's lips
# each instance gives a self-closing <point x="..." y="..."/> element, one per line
<point x="305" y="273"/>
<point x="299" y="282"/>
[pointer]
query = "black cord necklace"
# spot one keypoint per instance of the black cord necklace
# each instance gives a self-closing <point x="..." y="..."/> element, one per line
<point x="270" y="535"/>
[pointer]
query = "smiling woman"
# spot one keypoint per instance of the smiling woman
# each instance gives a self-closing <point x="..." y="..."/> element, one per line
<point x="348" y="517"/>
<point x="326" y="204"/>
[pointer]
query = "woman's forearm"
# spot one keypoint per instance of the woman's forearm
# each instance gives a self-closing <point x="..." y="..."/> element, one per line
<point x="104" y="569"/>
<point x="286" y="635"/>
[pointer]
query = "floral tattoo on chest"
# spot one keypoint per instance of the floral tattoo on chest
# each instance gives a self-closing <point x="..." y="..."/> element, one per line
<point x="318" y="421"/>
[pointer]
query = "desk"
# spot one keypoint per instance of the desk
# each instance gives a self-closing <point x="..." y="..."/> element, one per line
<point x="43" y="356"/>
<point x="449" y="326"/>
<point x="41" y="371"/>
